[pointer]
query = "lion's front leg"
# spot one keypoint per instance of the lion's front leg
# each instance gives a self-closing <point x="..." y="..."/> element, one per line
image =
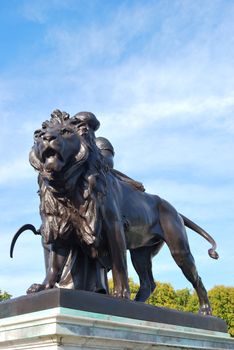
<point x="117" y="245"/>
<point x="120" y="280"/>
<point x="57" y="259"/>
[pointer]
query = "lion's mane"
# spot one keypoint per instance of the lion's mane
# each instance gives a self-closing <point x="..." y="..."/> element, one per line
<point x="71" y="201"/>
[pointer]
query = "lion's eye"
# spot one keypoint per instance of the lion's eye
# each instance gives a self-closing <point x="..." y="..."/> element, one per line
<point x="75" y="121"/>
<point x="65" y="131"/>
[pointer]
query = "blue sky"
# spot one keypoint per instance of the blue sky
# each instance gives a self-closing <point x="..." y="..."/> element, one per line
<point x="159" y="76"/>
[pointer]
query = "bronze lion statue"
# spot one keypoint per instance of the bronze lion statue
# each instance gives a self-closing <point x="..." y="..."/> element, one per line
<point x="91" y="214"/>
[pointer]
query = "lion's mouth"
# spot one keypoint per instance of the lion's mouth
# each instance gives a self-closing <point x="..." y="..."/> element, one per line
<point x="51" y="153"/>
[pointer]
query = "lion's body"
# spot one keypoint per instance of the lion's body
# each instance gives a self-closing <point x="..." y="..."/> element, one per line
<point x="138" y="212"/>
<point x="84" y="203"/>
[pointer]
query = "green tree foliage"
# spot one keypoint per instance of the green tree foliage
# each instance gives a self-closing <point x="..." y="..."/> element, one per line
<point x="186" y="300"/>
<point x="163" y="295"/>
<point x="193" y="303"/>
<point x="182" y="299"/>
<point x="222" y="301"/>
<point x="4" y="296"/>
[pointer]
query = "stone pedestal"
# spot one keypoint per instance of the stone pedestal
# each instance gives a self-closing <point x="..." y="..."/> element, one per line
<point x="67" y="320"/>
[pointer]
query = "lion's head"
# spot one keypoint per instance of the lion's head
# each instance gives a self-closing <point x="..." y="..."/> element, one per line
<point x="56" y="144"/>
<point x="62" y="142"/>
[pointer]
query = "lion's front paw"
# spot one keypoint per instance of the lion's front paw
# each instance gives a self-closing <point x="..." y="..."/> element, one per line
<point x="35" y="287"/>
<point x="124" y="293"/>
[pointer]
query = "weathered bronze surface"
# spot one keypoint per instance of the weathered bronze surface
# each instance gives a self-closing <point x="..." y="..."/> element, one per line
<point x="91" y="214"/>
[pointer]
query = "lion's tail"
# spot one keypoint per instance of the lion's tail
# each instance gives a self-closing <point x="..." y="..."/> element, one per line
<point x="190" y="224"/>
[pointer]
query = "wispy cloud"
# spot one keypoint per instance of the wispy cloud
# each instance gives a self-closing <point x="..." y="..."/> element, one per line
<point x="39" y="10"/>
<point x="18" y="168"/>
<point x="143" y="115"/>
<point x="196" y="199"/>
<point x="100" y="42"/>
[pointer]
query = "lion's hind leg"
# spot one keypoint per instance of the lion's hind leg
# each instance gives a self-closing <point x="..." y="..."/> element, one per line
<point x="142" y="262"/>
<point x="176" y="238"/>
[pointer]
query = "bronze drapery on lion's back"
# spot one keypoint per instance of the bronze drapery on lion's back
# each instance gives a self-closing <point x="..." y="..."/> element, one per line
<point x="87" y="206"/>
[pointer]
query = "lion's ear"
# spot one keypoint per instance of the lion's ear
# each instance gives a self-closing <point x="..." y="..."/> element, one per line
<point x="34" y="160"/>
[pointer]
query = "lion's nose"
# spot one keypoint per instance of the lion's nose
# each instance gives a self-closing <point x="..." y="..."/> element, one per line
<point x="49" y="136"/>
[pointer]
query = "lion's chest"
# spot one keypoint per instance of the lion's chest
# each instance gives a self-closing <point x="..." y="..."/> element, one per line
<point x="56" y="218"/>
<point x="63" y="218"/>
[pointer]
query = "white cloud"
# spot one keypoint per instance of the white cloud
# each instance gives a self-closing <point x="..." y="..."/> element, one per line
<point x="101" y="41"/>
<point x="146" y="115"/>
<point x="181" y="151"/>
<point x="202" y="201"/>
<point x="16" y="169"/>
<point x="39" y="10"/>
